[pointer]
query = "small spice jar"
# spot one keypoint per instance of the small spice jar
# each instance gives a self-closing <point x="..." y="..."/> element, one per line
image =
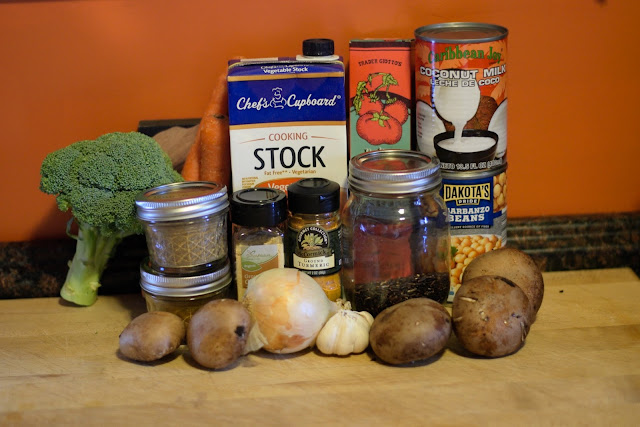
<point x="258" y="217"/>
<point x="396" y="242"/>
<point x="183" y="294"/>
<point x="186" y="226"/>
<point x="314" y="229"/>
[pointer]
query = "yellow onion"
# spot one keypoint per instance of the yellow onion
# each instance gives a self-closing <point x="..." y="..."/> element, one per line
<point x="288" y="308"/>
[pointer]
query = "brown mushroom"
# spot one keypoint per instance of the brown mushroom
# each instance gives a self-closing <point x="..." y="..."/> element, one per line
<point x="491" y="316"/>
<point x="514" y="265"/>
<point x="412" y="330"/>
<point x="151" y="336"/>
<point x="218" y="332"/>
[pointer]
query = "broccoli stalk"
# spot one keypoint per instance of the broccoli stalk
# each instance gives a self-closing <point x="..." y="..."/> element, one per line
<point x="93" y="251"/>
<point x="99" y="181"/>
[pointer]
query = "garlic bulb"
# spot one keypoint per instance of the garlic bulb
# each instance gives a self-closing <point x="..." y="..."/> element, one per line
<point x="345" y="332"/>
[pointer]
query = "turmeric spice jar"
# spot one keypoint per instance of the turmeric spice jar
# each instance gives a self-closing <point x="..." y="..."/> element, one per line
<point x="396" y="238"/>
<point x="185" y="225"/>
<point x="314" y="229"/>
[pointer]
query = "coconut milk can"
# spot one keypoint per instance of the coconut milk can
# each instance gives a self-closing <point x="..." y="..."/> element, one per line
<point x="461" y="108"/>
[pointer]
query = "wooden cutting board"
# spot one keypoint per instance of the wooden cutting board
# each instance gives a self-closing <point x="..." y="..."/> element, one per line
<point x="580" y="366"/>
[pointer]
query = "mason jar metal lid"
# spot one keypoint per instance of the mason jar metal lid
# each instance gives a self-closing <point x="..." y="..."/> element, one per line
<point x="183" y="286"/>
<point x="182" y="200"/>
<point x="394" y="172"/>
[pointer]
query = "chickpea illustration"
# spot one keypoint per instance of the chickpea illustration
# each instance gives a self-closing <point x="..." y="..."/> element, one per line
<point x="499" y="192"/>
<point x="466" y="249"/>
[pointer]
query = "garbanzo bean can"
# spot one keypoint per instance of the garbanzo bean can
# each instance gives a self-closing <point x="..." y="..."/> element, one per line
<point x="477" y="207"/>
<point x="461" y="94"/>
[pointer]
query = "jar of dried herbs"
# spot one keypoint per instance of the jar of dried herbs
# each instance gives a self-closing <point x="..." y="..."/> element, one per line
<point x="314" y="230"/>
<point x="258" y="217"/>
<point x="185" y="225"/>
<point x="183" y="294"/>
<point x="395" y="231"/>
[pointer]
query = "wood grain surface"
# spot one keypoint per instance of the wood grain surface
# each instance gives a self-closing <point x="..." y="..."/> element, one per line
<point x="59" y="364"/>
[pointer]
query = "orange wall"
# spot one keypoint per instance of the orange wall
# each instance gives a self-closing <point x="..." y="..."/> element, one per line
<point x="73" y="70"/>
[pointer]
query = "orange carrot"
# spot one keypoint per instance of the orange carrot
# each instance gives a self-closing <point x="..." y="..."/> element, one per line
<point x="191" y="167"/>
<point x="219" y="101"/>
<point x="211" y="158"/>
<point x="215" y="157"/>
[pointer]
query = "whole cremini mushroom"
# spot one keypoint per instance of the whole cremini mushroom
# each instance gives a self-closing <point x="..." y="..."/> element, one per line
<point x="514" y="265"/>
<point x="217" y="333"/>
<point x="151" y="336"/>
<point x="491" y="316"/>
<point x="412" y="330"/>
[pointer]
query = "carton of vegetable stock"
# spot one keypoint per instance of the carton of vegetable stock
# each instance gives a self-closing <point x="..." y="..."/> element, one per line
<point x="287" y="121"/>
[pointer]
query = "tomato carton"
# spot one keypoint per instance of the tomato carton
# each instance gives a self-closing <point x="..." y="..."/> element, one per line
<point x="287" y="121"/>
<point x="380" y="90"/>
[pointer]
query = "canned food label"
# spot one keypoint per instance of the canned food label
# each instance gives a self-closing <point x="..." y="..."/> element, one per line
<point x="478" y="217"/>
<point x="381" y="88"/>
<point x="461" y="92"/>
<point x="469" y="204"/>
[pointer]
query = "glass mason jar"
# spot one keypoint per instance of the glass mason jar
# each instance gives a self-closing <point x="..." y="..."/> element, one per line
<point x="185" y="225"/>
<point x="396" y="239"/>
<point x="183" y="294"/>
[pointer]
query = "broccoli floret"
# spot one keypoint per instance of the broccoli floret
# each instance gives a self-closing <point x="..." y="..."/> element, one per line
<point x="98" y="180"/>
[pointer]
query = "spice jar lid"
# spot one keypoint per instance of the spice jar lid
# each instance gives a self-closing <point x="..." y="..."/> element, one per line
<point x="314" y="195"/>
<point x="183" y="286"/>
<point x="256" y="207"/>
<point x="182" y="200"/>
<point x="394" y="172"/>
